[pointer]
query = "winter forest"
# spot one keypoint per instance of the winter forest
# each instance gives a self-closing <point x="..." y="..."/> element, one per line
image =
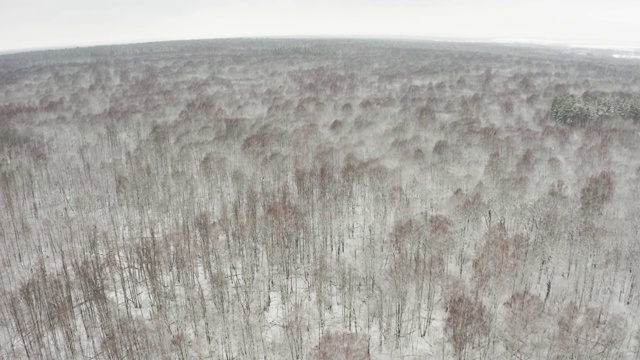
<point x="319" y="199"/>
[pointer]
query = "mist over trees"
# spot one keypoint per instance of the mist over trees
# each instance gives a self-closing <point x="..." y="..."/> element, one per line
<point x="319" y="199"/>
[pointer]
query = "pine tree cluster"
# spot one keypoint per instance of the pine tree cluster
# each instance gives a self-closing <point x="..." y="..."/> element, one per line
<point x="573" y="110"/>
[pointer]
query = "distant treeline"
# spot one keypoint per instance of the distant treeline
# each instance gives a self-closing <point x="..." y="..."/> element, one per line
<point x="574" y="110"/>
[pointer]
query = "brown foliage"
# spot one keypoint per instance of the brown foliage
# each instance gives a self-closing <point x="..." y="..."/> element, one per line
<point x="403" y="233"/>
<point x="439" y="225"/>
<point x="285" y="220"/>
<point x="588" y="332"/>
<point x="556" y="189"/>
<point x="347" y="108"/>
<point x="524" y="307"/>
<point x="494" y="166"/>
<point x="596" y="193"/>
<point x="507" y="107"/>
<point x="473" y="204"/>
<point x="398" y="197"/>
<point x="426" y="113"/>
<point x="499" y="256"/>
<point x="354" y="170"/>
<point x="567" y="323"/>
<point x="212" y="164"/>
<point x="526" y="162"/>
<point x="467" y="320"/>
<point x="532" y="99"/>
<point x="440" y="147"/>
<point x="341" y="345"/>
<point x="525" y="325"/>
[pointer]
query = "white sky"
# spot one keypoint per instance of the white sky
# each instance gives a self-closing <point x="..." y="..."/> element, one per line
<point x="28" y="24"/>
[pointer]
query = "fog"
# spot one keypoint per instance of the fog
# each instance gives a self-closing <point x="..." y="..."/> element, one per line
<point x="68" y="23"/>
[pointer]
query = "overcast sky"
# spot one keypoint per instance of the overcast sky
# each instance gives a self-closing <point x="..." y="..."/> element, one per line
<point x="28" y="24"/>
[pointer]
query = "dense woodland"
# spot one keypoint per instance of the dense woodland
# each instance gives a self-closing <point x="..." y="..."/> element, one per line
<point x="318" y="199"/>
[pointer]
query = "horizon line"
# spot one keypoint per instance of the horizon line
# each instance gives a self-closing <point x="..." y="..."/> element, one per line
<point x="596" y="45"/>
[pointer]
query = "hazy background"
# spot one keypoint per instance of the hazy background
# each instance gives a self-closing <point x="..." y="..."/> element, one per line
<point x="28" y="24"/>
